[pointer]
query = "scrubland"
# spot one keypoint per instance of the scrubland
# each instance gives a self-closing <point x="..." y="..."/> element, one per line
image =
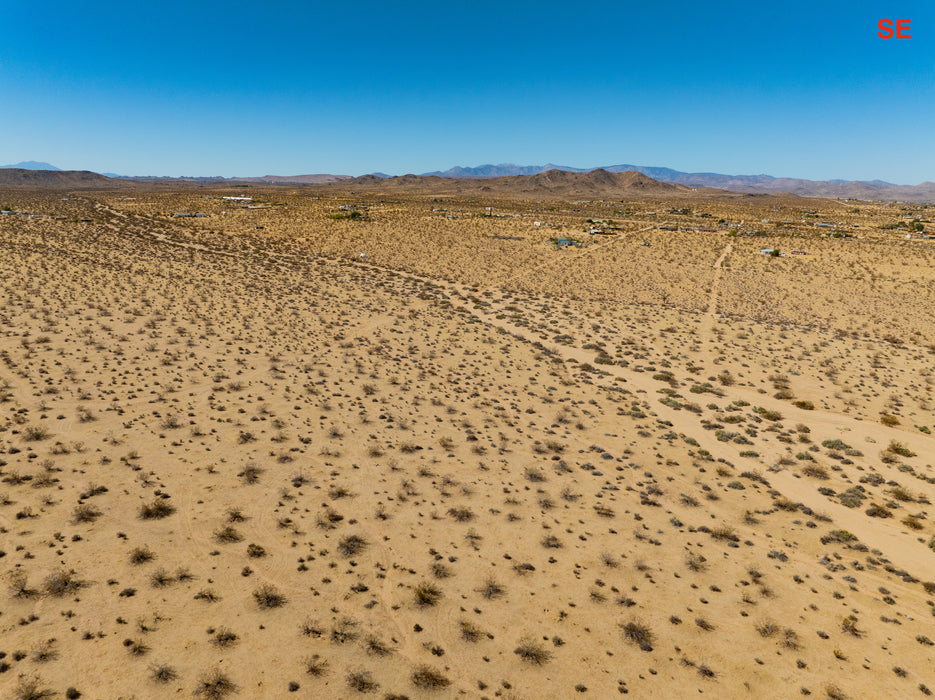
<point x="238" y="459"/>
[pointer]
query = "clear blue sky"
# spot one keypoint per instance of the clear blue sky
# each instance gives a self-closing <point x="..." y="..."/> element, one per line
<point x="802" y="89"/>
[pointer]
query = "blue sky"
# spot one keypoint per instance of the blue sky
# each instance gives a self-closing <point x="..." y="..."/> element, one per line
<point x="235" y="88"/>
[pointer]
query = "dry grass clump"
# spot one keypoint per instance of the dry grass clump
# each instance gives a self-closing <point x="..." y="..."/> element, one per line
<point x="31" y="688"/>
<point x="351" y="545"/>
<point x="85" y="513"/>
<point x="427" y="594"/>
<point x="141" y="555"/>
<point x="362" y="682"/>
<point x="316" y="666"/>
<point x="19" y="585"/>
<point x="227" y="535"/>
<point x="428" y="678"/>
<point x="637" y="632"/>
<point x="162" y="673"/>
<point x="267" y="597"/>
<point x="34" y="433"/>
<point x="469" y="631"/>
<point x="214" y="685"/>
<point x="533" y="653"/>
<point x="462" y="515"/>
<point x="377" y="647"/>
<point x="62" y="583"/>
<point x="159" y="508"/>
<point x="491" y="589"/>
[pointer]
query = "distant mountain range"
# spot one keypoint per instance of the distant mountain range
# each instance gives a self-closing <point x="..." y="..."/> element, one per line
<point x="30" y="165"/>
<point x="316" y="179"/>
<point x="852" y="189"/>
<point x="551" y="183"/>
<point x="746" y="184"/>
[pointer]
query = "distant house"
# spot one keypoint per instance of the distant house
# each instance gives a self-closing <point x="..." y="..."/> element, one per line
<point x="767" y="251"/>
<point x="566" y="242"/>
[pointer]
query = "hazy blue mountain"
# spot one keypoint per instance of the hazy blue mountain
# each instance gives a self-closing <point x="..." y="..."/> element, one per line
<point x="31" y="165"/>
<point x="871" y="189"/>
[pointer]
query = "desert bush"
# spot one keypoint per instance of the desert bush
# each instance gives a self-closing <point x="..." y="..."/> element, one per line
<point x="19" y="586"/>
<point x="214" y="685"/>
<point x="428" y="678"/>
<point x="362" y="682"/>
<point x="351" y="545"/>
<point x="897" y="448"/>
<point x="815" y="470"/>
<point x="877" y="511"/>
<point x="250" y="473"/>
<point x="227" y="535"/>
<point x="34" y="433"/>
<point x="469" y="631"/>
<point x="427" y="594"/>
<point x="344" y="630"/>
<point x="462" y="515"/>
<point x="160" y="578"/>
<point x="62" y="583"/>
<point x="551" y="542"/>
<point x="533" y="653"/>
<point x="724" y="532"/>
<point x="316" y="666"/>
<point x="767" y="628"/>
<point x="224" y="637"/>
<point x="376" y="646"/>
<point x="849" y="626"/>
<point x="85" y="513"/>
<point x="162" y="673"/>
<point x="267" y="597"/>
<point x="534" y="475"/>
<point x="30" y="688"/>
<point x="491" y="589"/>
<point x="638" y="633"/>
<point x="159" y="508"/>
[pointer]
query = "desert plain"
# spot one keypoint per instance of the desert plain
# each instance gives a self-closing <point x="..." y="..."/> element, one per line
<point x="392" y="439"/>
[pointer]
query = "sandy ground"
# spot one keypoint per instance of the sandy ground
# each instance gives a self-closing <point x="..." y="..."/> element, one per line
<point x="239" y="459"/>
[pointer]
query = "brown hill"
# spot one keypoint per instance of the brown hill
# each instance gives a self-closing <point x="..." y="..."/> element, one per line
<point x="594" y="182"/>
<point x="58" y="179"/>
<point x="551" y="183"/>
